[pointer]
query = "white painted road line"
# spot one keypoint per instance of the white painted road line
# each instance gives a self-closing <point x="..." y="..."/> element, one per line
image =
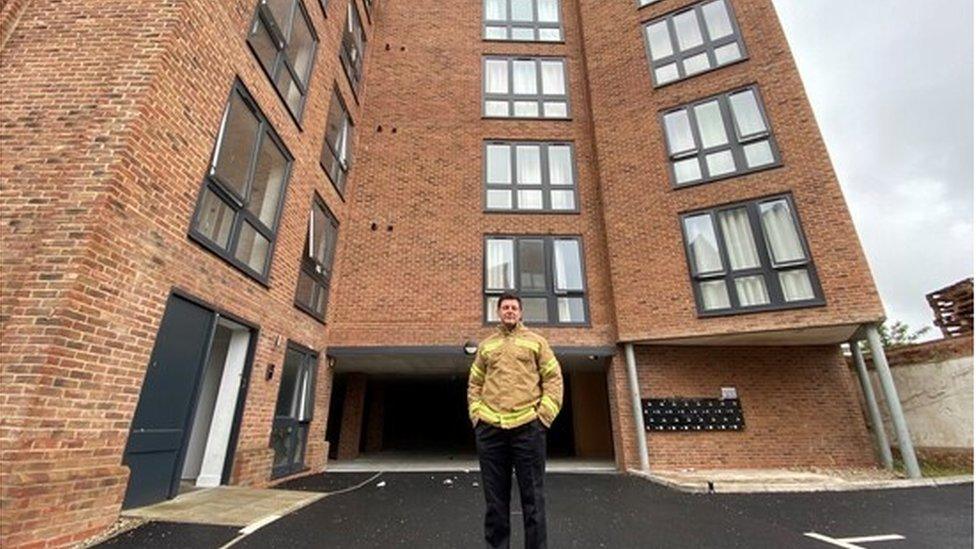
<point x="851" y="543"/>
<point x="259" y="523"/>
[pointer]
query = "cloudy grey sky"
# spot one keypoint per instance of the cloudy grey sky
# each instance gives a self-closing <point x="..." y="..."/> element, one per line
<point x="891" y="83"/>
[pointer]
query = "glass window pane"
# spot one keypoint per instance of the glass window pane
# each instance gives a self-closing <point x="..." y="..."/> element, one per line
<point x="337" y="129"/>
<point x="491" y="308"/>
<point x="746" y="112"/>
<point x="571" y="309"/>
<point x="556" y="109"/>
<point x="728" y="53"/>
<point x="498" y="199"/>
<point x="687" y="171"/>
<point x="710" y="125"/>
<point x="528" y="109"/>
<point x="550" y="35"/>
<point x="758" y="154"/>
<point x="717" y="19"/>
<point x="530" y="200"/>
<point x="496" y="76"/>
<point x="700" y="235"/>
<point x="678" y="130"/>
<point x="524" y="76"/>
<point x="686" y="27"/>
<point x="236" y="145"/>
<point x="779" y="228"/>
<point x="263" y="45"/>
<point x="496" y="108"/>
<point x="324" y="238"/>
<point x="714" y="295"/>
<point x="553" y="79"/>
<point x="751" y="291"/>
<point x="500" y="265"/>
<point x="567" y="265"/>
<point x="281" y="12"/>
<point x="696" y="64"/>
<point x="289" y="90"/>
<point x="215" y="218"/>
<point x="521" y="10"/>
<point x="739" y="243"/>
<point x="305" y="293"/>
<point x="496" y="33"/>
<point x="796" y="285"/>
<point x="535" y="309"/>
<point x="532" y="265"/>
<point x="667" y="73"/>
<point x="300" y="46"/>
<point x="496" y="10"/>
<point x="287" y="389"/>
<point x="522" y="33"/>
<point x="269" y="178"/>
<point x="252" y="248"/>
<point x="499" y="164"/>
<point x="659" y="40"/>
<point x="563" y="200"/>
<point x="548" y="11"/>
<point x="529" y="165"/>
<point x="720" y="163"/>
<point x="560" y="165"/>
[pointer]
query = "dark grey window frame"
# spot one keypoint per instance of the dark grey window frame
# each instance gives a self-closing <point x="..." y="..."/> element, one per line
<point x="766" y="268"/>
<point x="320" y="274"/>
<point x="645" y="3"/>
<point x="354" y="74"/>
<point x="550" y="293"/>
<point x="708" y="46"/>
<point x="511" y="97"/>
<point x="535" y="25"/>
<point x="545" y="186"/>
<point x="324" y="4"/>
<point x="340" y="186"/>
<point x="304" y="423"/>
<point x="368" y="8"/>
<point x="736" y="143"/>
<point x="239" y="204"/>
<point x="263" y="16"/>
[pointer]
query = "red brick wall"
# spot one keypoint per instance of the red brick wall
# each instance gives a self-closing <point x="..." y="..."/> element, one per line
<point x="107" y="137"/>
<point x="799" y="404"/>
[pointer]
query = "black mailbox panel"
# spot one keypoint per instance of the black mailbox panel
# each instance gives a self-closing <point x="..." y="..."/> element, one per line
<point x="692" y="414"/>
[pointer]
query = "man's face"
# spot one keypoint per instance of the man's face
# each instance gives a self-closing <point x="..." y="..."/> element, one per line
<point x="510" y="312"/>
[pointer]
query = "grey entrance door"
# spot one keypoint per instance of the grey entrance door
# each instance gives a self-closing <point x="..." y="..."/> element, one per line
<point x="293" y="411"/>
<point x="166" y="403"/>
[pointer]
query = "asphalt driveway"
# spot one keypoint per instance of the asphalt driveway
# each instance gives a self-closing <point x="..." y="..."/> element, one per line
<point x="434" y="510"/>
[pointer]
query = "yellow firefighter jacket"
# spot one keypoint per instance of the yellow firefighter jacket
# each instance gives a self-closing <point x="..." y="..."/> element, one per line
<point x="514" y="379"/>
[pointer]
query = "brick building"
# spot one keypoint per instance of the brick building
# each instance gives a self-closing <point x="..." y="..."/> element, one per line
<point x="238" y="238"/>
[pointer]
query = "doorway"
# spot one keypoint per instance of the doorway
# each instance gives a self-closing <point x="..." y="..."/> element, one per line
<point x="293" y="411"/>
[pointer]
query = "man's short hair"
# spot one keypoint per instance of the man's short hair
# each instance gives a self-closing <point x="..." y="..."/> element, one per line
<point x="508" y="297"/>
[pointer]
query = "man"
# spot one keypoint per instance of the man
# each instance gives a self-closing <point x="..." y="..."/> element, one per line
<point x="515" y="390"/>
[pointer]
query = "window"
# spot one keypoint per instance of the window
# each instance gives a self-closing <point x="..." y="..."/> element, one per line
<point x="337" y="149"/>
<point x="353" y="47"/>
<point x="284" y="42"/>
<point x="238" y="210"/>
<point x="312" y="294"/>
<point x="719" y="137"/>
<point x="749" y="256"/>
<point x="692" y="41"/>
<point x="523" y="20"/>
<point x="642" y="3"/>
<point x="524" y="87"/>
<point x="293" y="411"/>
<point x="528" y="176"/>
<point x="545" y="271"/>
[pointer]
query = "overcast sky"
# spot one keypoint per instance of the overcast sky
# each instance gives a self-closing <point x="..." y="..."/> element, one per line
<point x="891" y="83"/>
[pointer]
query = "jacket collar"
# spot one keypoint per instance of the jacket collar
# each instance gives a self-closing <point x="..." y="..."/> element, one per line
<point x="505" y="331"/>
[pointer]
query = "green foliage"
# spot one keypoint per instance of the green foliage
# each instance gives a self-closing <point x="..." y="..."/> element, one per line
<point x="894" y="334"/>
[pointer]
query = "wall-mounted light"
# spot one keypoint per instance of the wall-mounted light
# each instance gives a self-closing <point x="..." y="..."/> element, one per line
<point x="470" y="348"/>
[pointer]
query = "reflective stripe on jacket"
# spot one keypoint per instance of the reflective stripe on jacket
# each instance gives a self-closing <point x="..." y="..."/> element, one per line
<point x="514" y="379"/>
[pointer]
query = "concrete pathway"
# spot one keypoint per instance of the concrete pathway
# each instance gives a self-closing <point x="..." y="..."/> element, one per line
<point x="749" y="481"/>
<point x="226" y="506"/>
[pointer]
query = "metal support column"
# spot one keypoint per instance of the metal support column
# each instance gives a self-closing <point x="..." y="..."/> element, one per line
<point x="636" y="403"/>
<point x="877" y="424"/>
<point x="894" y="405"/>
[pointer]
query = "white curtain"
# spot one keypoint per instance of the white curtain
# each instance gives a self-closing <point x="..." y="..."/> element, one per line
<point x="529" y="165"/>
<point x="566" y="258"/>
<point x="496" y="76"/>
<point x="560" y="165"/>
<point x="495" y="10"/>
<point x="751" y="290"/>
<point x="710" y="124"/>
<point x="781" y="236"/>
<point x="796" y="285"/>
<point x="714" y="295"/>
<point x="521" y="10"/>
<point x="549" y="11"/>
<point x="678" y="129"/>
<point x="746" y="112"/>
<point x="499" y="164"/>
<point x="553" y="81"/>
<point x="739" y="243"/>
<point x="686" y="27"/>
<point x="717" y="19"/>
<point x="704" y="246"/>
<point x="659" y="39"/>
<point x="524" y="76"/>
<point x="500" y="265"/>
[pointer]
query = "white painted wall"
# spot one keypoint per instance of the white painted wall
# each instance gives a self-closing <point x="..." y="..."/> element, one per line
<point x="205" y="405"/>
<point x="223" y="413"/>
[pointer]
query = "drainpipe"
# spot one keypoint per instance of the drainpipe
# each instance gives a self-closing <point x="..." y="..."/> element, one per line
<point x="636" y="403"/>
<point x="877" y="425"/>
<point x="894" y="405"/>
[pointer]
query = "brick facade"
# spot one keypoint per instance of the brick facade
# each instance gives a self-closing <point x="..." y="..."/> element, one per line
<point x="107" y="137"/>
